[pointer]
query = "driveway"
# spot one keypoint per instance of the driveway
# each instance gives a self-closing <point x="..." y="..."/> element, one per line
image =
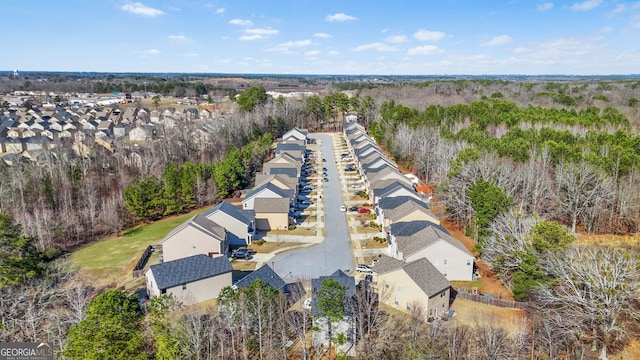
<point x="335" y="251"/>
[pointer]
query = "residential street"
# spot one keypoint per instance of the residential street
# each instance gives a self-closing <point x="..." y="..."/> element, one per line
<point x="335" y="251"/>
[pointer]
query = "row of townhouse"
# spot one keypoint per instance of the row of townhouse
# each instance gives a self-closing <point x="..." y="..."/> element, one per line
<point x="422" y="256"/>
<point x="35" y="129"/>
<point x="195" y="264"/>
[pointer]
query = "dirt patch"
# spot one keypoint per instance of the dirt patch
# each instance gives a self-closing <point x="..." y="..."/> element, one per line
<point x="488" y="282"/>
<point x="243" y="265"/>
<point x="269" y="247"/>
<point x="472" y="313"/>
<point x="372" y="244"/>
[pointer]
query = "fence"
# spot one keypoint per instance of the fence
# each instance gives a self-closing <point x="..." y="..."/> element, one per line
<point x="490" y="301"/>
<point x="138" y="270"/>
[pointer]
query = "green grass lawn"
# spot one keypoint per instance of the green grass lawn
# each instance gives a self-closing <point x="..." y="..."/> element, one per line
<point x="112" y="259"/>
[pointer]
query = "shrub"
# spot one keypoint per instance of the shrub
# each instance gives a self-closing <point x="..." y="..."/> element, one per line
<point x="291" y="227"/>
<point x="260" y="242"/>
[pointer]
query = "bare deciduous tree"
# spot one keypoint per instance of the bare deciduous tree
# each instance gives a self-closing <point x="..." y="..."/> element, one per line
<point x="593" y="295"/>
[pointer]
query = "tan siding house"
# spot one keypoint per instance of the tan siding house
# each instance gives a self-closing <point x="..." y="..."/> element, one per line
<point x="417" y="284"/>
<point x="271" y="213"/>
<point x="190" y="280"/>
<point x="409" y="241"/>
<point x="197" y="235"/>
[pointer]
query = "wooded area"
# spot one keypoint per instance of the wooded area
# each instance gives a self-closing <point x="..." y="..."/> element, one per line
<point x="521" y="166"/>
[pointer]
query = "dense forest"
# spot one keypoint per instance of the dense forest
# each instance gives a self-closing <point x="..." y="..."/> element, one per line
<point x="521" y="166"/>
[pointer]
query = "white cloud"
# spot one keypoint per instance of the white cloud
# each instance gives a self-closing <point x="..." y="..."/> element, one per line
<point x="333" y="52"/>
<point x="262" y="31"/>
<point x="378" y="46"/>
<point x="586" y="5"/>
<point x="623" y="8"/>
<point x="425" y="50"/>
<point x="545" y="6"/>
<point x="241" y="22"/>
<point x="606" y="29"/>
<point x="427" y="35"/>
<point x="498" y="40"/>
<point x="297" y="43"/>
<point x="152" y="52"/>
<point x="396" y="39"/>
<point x="220" y="11"/>
<point x="312" y="53"/>
<point x="252" y="37"/>
<point x="177" y="37"/>
<point x="323" y="35"/>
<point x="339" y="17"/>
<point x="190" y="54"/>
<point x="284" y="47"/>
<point x="140" y="9"/>
<point x="258" y="34"/>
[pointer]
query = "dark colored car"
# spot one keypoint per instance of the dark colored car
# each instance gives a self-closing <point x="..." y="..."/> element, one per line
<point x="349" y="168"/>
<point x="353" y="208"/>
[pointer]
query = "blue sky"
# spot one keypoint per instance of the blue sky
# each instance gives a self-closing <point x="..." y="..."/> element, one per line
<point x="420" y="37"/>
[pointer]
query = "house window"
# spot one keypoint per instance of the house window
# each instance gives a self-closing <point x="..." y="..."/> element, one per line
<point x="468" y="261"/>
<point x="445" y="274"/>
<point x="395" y="300"/>
<point x="408" y="306"/>
<point x="193" y="246"/>
<point x="386" y="284"/>
<point x="184" y="286"/>
<point x="444" y="262"/>
<point x="443" y="293"/>
<point x="400" y="289"/>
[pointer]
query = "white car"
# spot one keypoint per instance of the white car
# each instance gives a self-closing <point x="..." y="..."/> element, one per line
<point x="363" y="268"/>
<point x="343" y="208"/>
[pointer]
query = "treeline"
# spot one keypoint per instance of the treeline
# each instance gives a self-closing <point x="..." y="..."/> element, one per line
<point x="576" y="167"/>
<point x="176" y="88"/>
<point x="188" y="186"/>
<point x="75" y="191"/>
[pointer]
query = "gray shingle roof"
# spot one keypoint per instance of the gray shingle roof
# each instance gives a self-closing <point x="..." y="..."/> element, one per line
<point x="386" y="264"/>
<point x="265" y="274"/>
<point x="290" y="182"/>
<point x="189" y="269"/>
<point x="384" y="187"/>
<point x="231" y="210"/>
<point x="292" y="172"/>
<point x="426" y="276"/>
<point x="416" y="235"/>
<point x="271" y="205"/>
<point x="201" y="223"/>
<point x="398" y="206"/>
<point x="271" y="187"/>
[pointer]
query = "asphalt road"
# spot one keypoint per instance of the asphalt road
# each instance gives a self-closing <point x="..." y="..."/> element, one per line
<point x="335" y="251"/>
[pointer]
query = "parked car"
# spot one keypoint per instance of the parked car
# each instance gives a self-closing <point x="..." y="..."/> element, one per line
<point x="355" y="186"/>
<point x="324" y="169"/>
<point x="363" y="268"/>
<point x="363" y="210"/>
<point x="353" y="208"/>
<point x="343" y="208"/>
<point x="326" y="179"/>
<point x="324" y="160"/>
<point x="349" y="168"/>
<point x="241" y="255"/>
<point x="307" y="188"/>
